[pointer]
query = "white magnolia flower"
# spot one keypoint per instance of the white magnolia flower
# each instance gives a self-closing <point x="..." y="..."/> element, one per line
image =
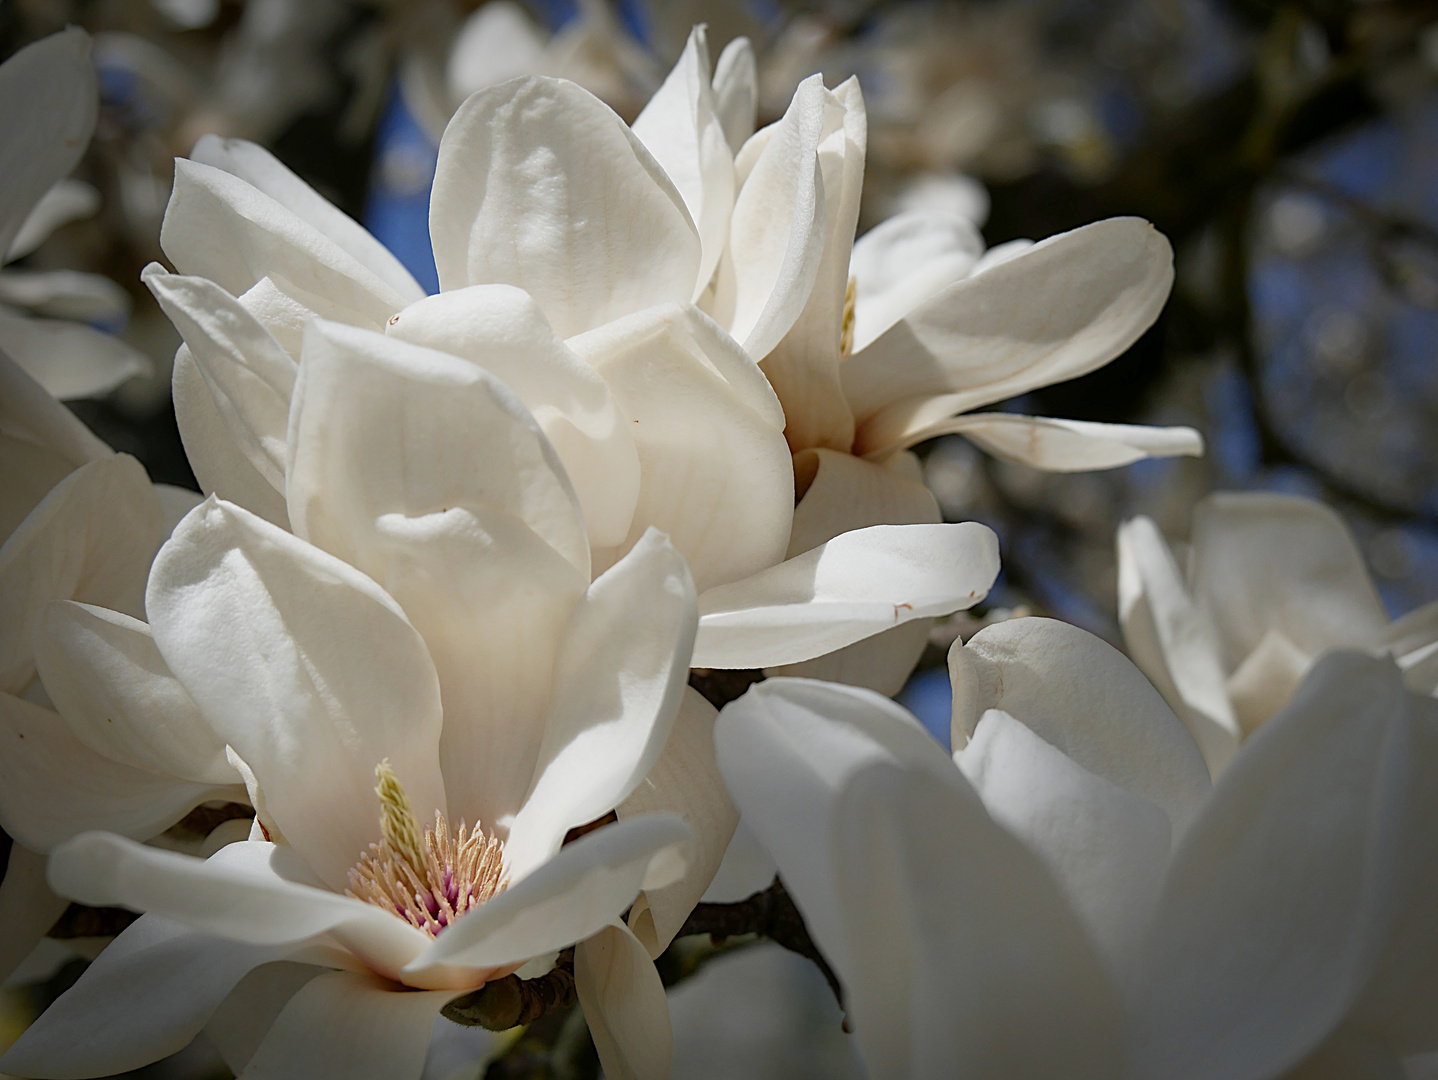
<point x="1273" y="583"/>
<point x="40" y="143"/>
<point x="400" y="894"/>
<point x="1074" y="900"/>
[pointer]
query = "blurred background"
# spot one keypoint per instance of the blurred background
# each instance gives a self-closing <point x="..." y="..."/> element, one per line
<point x="1289" y="150"/>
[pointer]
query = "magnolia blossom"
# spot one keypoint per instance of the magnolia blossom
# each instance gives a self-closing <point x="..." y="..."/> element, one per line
<point x="1273" y="582"/>
<point x="407" y="851"/>
<point x="1074" y="898"/>
<point x="40" y="144"/>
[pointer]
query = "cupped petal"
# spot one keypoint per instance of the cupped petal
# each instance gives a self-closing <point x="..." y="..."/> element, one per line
<point x="69" y="359"/>
<point x="222" y="227"/>
<point x="249" y="376"/>
<point x="144" y="998"/>
<point x="736" y="91"/>
<point x="66" y="294"/>
<point x="1172" y="642"/>
<point x="715" y="472"/>
<point x="265" y="172"/>
<point x="218" y="461"/>
<point x="90" y="539"/>
<point x="1282" y="891"/>
<point x="776" y="234"/>
<point x="28" y="908"/>
<point x="41" y="142"/>
<point x="620" y="674"/>
<point x="53" y="786"/>
<point x="904" y="260"/>
<point x="29" y="412"/>
<point x="1081" y="695"/>
<point x="346" y="1025"/>
<point x="858" y="584"/>
<point x="540" y="185"/>
<point x="685" y="781"/>
<point x="623" y="1000"/>
<point x="503" y="330"/>
<point x="1056" y="310"/>
<point x="64" y="201"/>
<point x="1058" y="445"/>
<point x="565" y="900"/>
<point x="682" y="128"/>
<point x="105" y="676"/>
<point x="307" y="668"/>
<point x="1262" y="561"/>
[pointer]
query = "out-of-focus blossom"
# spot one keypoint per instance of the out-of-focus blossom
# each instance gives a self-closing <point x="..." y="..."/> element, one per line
<point x="1074" y="899"/>
<point x="451" y="870"/>
<point x="1273" y="583"/>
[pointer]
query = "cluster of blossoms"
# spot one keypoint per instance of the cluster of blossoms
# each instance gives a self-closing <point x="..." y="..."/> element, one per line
<point x="433" y="622"/>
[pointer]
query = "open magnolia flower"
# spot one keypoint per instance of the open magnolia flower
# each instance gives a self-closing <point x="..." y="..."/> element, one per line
<point x="1074" y="900"/>
<point x="1273" y="583"/>
<point x="407" y="850"/>
<point x="40" y="144"/>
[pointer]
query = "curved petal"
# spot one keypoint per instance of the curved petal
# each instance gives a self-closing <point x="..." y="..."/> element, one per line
<point x="1081" y="695"/>
<point x="1281" y="892"/>
<point x="904" y="260"/>
<point x="64" y="201"/>
<point x="1058" y="445"/>
<point x="53" y="786"/>
<point x="624" y="1004"/>
<point x="1261" y="561"/>
<point x="618" y="679"/>
<point x="29" y="412"/>
<point x="245" y="1017"/>
<point x="540" y="185"/>
<point x="685" y="781"/>
<point x="105" y="676"/>
<point x="30" y="472"/>
<point x="66" y="294"/>
<point x="856" y="585"/>
<point x="503" y="330"/>
<point x="27" y="907"/>
<point x="69" y="359"/>
<point x="681" y="127"/>
<point x="345" y="1025"/>
<point x="1056" y="310"/>
<point x="715" y="472"/>
<point x="1171" y="642"/>
<point x="42" y="142"/>
<point x="91" y="539"/>
<point x="278" y="642"/>
<point x="567" y="899"/>
<point x="736" y="91"/>
<point x="217" y="460"/>
<point x="258" y="167"/>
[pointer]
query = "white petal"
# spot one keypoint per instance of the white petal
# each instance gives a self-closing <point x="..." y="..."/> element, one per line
<point x="1057" y="310"/>
<point x="307" y="668"/>
<point x="503" y="330"/>
<point x="1280" y="893"/>
<point x="65" y="294"/>
<point x="29" y="412"/>
<point x="27" y="907"/>
<point x="569" y="898"/>
<point x="219" y="463"/>
<point x="349" y="1026"/>
<point x="69" y="359"/>
<point x="497" y="42"/>
<point x="856" y="585"/>
<point x="245" y="1017"/>
<point x="1083" y="696"/>
<point x="684" y="781"/>
<point x="1260" y="561"/>
<point x="106" y="678"/>
<point x="682" y="128"/>
<point x="745" y="869"/>
<point x="256" y="165"/>
<point x="715" y="472"/>
<point x="1266" y="679"/>
<point x="540" y="185"/>
<point x="90" y="539"/>
<point x="736" y="91"/>
<point x="618" y="680"/>
<point x="1413" y="632"/>
<point x="30" y="472"/>
<point x="624" y="1004"/>
<point x="903" y="261"/>
<point x="223" y="228"/>
<point x="144" y="998"/>
<point x="249" y="376"/>
<point x="53" y="786"/>
<point x="41" y="142"/>
<point x="1059" y="445"/>
<point x="1172" y="642"/>
<point x="63" y="201"/>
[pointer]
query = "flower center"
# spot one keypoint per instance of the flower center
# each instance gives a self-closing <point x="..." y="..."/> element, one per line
<point x="426" y="876"/>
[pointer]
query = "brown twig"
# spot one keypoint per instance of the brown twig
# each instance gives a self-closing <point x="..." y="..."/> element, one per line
<point x="514" y="1002"/>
